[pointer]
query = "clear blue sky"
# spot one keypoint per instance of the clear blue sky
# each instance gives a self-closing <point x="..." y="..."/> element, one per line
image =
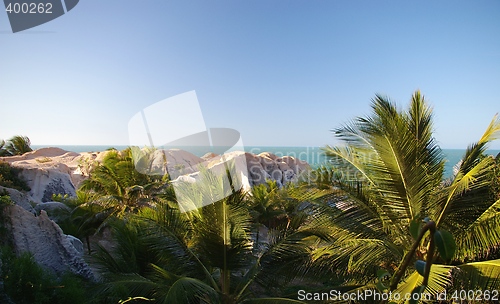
<point x="283" y="73"/>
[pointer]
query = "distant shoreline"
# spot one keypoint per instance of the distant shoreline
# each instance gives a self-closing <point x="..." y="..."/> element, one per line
<point x="312" y="155"/>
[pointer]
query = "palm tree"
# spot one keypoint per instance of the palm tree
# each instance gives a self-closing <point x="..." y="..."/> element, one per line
<point x="3" y="152"/>
<point x="113" y="189"/>
<point x="208" y="255"/>
<point x="391" y="173"/>
<point x="118" y="187"/>
<point x="17" y="145"/>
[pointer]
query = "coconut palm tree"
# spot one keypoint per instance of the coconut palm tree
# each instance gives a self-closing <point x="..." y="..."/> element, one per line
<point x="208" y="255"/>
<point x="113" y="189"/>
<point x="391" y="171"/>
<point x="18" y="145"/>
<point x="118" y="187"/>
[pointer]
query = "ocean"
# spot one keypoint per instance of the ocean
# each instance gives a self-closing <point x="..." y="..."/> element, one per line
<point x="313" y="155"/>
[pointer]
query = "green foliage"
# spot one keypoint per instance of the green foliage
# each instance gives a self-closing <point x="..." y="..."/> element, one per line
<point x="3" y="152"/>
<point x="371" y="211"/>
<point x="25" y="282"/>
<point x="5" y="200"/>
<point x="445" y="244"/>
<point x="391" y="175"/>
<point x="17" y="145"/>
<point x="117" y="187"/>
<point x="211" y="253"/>
<point x="114" y="189"/>
<point x="496" y="178"/>
<point x="9" y="177"/>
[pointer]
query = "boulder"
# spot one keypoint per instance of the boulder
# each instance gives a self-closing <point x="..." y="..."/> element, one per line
<point x="256" y="173"/>
<point x="268" y="155"/>
<point x="175" y="162"/>
<point x="180" y="162"/>
<point x="287" y="173"/>
<point x="44" y="182"/>
<point x="50" y="247"/>
<point x="49" y="171"/>
<point x="77" y="243"/>
<point x="252" y="169"/>
<point x="21" y="199"/>
<point x="298" y="166"/>
<point x="209" y="155"/>
<point x="55" y="210"/>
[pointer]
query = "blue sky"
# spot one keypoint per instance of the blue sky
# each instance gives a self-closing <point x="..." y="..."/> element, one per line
<point x="283" y="73"/>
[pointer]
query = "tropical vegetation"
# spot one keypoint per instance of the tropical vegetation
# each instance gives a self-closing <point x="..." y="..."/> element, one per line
<point x="381" y="217"/>
<point x="17" y="145"/>
<point x="391" y="171"/>
<point x="9" y="177"/>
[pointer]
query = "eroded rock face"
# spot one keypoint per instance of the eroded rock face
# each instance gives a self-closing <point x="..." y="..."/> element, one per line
<point x="44" y="182"/>
<point x="21" y="199"/>
<point x="51" y="171"/>
<point x="283" y="170"/>
<point x="263" y="167"/>
<point x="42" y="237"/>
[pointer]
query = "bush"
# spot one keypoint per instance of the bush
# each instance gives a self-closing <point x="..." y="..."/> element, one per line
<point x="24" y="280"/>
<point x="9" y="177"/>
<point x="27" y="282"/>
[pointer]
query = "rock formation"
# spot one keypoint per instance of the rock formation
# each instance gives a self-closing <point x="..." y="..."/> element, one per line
<point x="257" y="168"/>
<point x="42" y="237"/>
<point x="51" y="171"/>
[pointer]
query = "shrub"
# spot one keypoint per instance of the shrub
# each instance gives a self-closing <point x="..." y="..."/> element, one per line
<point x="9" y="177"/>
<point x="24" y="280"/>
<point x="27" y="282"/>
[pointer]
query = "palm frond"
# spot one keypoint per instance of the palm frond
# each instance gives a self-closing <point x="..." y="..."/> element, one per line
<point x="481" y="236"/>
<point x="478" y="275"/>
<point x="18" y="145"/>
<point x="168" y="233"/>
<point x="188" y="290"/>
<point x="356" y="258"/>
<point x="439" y="279"/>
<point x="472" y="177"/>
<point x="397" y="157"/>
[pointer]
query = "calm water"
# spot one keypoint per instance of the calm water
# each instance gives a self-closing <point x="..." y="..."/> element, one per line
<point x="313" y="155"/>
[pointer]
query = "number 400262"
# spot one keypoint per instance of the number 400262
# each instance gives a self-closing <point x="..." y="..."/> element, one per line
<point x="29" y="8"/>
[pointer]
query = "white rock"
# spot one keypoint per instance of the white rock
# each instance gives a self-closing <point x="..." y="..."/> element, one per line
<point x="19" y="198"/>
<point x="50" y="171"/>
<point x="42" y="237"/>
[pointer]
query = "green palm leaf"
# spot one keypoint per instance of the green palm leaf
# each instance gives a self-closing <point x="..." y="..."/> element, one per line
<point x="188" y="290"/>
<point x="479" y="275"/>
<point x="18" y="145"/>
<point x="480" y="236"/>
<point x="439" y="279"/>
